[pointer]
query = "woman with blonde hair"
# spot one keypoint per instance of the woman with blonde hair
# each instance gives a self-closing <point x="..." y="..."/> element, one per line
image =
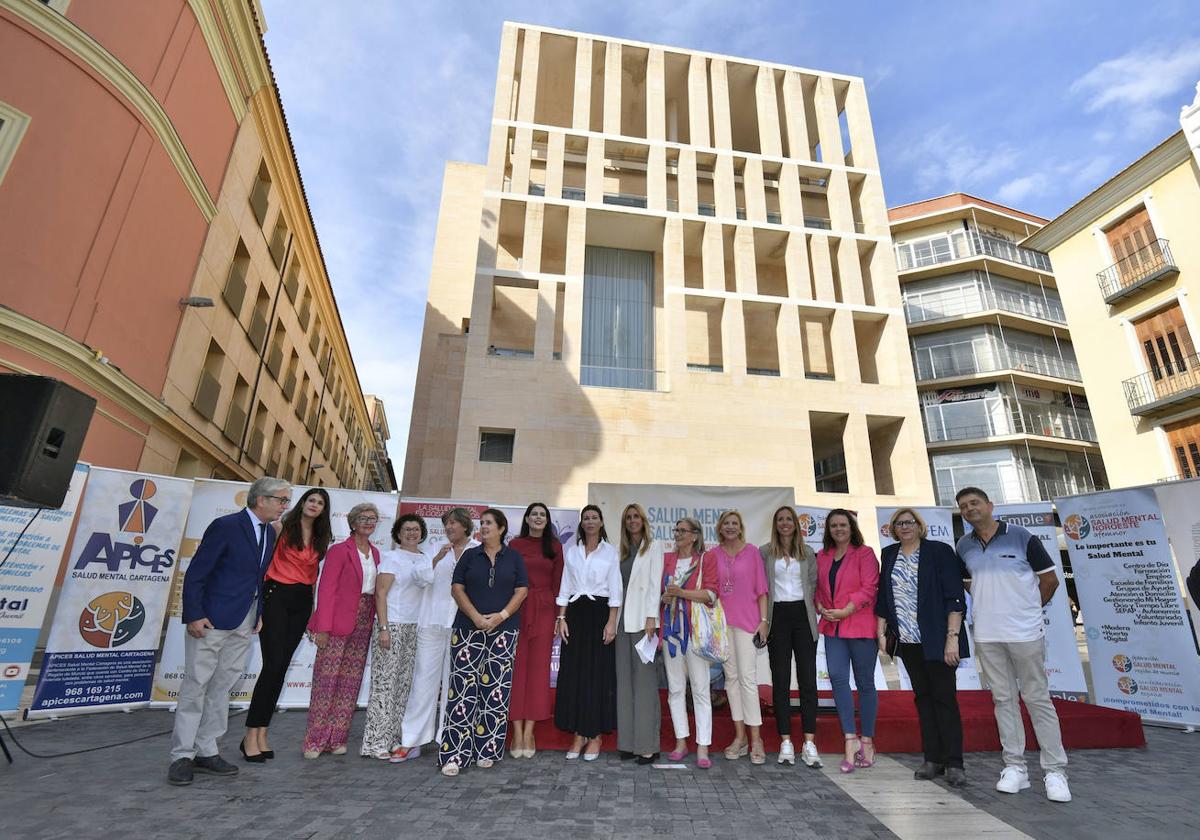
<point x="791" y="570"/>
<point x="639" y="712"/>
<point x="743" y="592"/>
<point x="687" y="580"/>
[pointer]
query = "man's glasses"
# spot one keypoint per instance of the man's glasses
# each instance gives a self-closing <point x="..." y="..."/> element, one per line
<point x="283" y="500"/>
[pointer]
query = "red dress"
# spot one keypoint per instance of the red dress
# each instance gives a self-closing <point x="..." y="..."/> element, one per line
<point x="531" y="671"/>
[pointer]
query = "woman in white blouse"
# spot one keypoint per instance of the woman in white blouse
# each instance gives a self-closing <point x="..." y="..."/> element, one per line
<point x="424" y="716"/>
<point x="639" y="710"/>
<point x="398" y="590"/>
<point x="588" y="600"/>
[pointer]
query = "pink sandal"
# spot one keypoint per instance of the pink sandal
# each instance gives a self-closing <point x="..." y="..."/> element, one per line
<point x="704" y="762"/>
<point x="860" y="758"/>
<point x="677" y="755"/>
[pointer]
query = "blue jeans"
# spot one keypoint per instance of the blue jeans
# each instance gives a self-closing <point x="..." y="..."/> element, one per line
<point x="840" y="654"/>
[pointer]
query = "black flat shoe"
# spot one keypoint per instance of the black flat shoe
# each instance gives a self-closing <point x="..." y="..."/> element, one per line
<point x="647" y="759"/>
<point x="626" y="755"/>
<point x="260" y="758"/>
<point x="267" y="753"/>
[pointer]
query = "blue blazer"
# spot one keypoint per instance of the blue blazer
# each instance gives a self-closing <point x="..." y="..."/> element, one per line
<point x="226" y="573"/>
<point x="939" y="593"/>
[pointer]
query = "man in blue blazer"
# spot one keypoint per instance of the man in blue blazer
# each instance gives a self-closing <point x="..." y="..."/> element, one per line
<point x="222" y="608"/>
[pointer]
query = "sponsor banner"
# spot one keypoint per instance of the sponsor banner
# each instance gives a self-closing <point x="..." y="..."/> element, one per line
<point x="953" y="395"/>
<point x="27" y="581"/>
<point x="939" y="523"/>
<point x="812" y="525"/>
<point x="1141" y="649"/>
<point x="211" y="499"/>
<point x="1180" y="504"/>
<point x="565" y="522"/>
<point x="104" y="639"/>
<point x="1064" y="670"/>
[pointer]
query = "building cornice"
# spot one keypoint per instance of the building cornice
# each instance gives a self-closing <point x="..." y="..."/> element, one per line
<point x="76" y="43"/>
<point x="1129" y="181"/>
<point x="105" y="380"/>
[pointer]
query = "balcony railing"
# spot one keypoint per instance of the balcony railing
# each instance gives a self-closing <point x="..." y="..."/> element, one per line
<point x="944" y="365"/>
<point x="706" y="209"/>
<point x="1064" y="427"/>
<point x="962" y="244"/>
<point x="625" y="200"/>
<point x="607" y="376"/>
<point x="1139" y="269"/>
<point x="818" y="222"/>
<point x="574" y="193"/>
<point x="933" y="306"/>
<point x="1008" y="492"/>
<point x="1149" y="392"/>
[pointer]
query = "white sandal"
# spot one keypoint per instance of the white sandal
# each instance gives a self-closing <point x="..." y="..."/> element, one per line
<point x="450" y="769"/>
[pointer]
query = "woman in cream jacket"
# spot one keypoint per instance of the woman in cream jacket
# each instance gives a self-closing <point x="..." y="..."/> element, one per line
<point x="639" y="712"/>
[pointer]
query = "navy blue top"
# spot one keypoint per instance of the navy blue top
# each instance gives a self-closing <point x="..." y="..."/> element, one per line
<point x="488" y="594"/>
<point x="939" y="593"/>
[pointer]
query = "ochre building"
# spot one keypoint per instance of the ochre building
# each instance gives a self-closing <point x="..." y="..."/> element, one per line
<point x="157" y="247"/>
<point x="674" y="268"/>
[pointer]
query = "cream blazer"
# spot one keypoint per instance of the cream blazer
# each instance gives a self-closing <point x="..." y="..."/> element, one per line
<point x="644" y="590"/>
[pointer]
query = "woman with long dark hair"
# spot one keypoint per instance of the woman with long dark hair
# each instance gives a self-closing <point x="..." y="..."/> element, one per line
<point x="588" y="600"/>
<point x="303" y="536"/>
<point x="543" y="555"/>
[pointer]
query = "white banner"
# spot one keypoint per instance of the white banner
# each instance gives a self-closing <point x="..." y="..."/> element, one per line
<point x="1141" y="649"/>
<point x="1064" y="670"/>
<point x="27" y="581"/>
<point x="939" y="522"/>
<point x="211" y="499"/>
<point x="105" y="634"/>
<point x="1180" y="504"/>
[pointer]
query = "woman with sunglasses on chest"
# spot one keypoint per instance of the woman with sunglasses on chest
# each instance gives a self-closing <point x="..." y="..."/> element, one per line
<point x="489" y="585"/>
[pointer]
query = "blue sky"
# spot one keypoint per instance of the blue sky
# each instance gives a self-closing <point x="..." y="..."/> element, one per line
<point x="1031" y="104"/>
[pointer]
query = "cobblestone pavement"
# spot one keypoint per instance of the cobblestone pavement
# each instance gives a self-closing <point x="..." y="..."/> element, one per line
<point x="1125" y="793"/>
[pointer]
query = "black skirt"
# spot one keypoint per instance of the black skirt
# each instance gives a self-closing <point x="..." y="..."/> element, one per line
<point x="585" y="701"/>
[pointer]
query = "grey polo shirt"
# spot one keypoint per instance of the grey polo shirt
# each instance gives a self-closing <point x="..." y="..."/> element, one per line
<point x="1006" y="605"/>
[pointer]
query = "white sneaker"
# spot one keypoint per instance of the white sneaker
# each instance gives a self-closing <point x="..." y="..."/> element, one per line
<point x="1056" y="787"/>
<point x="1014" y="780"/>
<point x="787" y="753"/>
<point x="809" y="754"/>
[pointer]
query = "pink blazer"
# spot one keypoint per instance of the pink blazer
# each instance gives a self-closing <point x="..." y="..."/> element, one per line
<point x="857" y="581"/>
<point x="340" y="589"/>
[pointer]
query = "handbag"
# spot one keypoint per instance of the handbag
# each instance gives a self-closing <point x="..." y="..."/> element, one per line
<point x="891" y="642"/>
<point x="710" y="632"/>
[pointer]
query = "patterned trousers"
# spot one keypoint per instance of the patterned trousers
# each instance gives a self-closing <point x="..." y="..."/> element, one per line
<point x="391" y="680"/>
<point x="337" y="676"/>
<point x="481" y="671"/>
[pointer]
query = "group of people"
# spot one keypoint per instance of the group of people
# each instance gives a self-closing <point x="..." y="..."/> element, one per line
<point x="461" y="638"/>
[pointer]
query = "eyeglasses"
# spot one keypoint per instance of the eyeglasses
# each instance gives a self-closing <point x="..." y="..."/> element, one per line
<point x="905" y="523"/>
<point x="367" y="520"/>
<point x="684" y="531"/>
<point x="283" y="500"/>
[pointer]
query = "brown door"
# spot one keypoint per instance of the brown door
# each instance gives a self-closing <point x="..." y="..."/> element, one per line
<point x="1168" y="350"/>
<point x="1184" y="440"/>
<point x="1134" y="245"/>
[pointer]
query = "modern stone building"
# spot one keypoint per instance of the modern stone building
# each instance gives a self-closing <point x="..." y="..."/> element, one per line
<point x="674" y="268"/>
<point x="1127" y="257"/>
<point x="157" y="247"/>
<point x="999" y="385"/>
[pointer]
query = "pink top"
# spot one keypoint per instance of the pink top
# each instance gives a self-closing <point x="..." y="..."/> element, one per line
<point x="740" y="582"/>
<point x="857" y="581"/>
<point x="340" y="590"/>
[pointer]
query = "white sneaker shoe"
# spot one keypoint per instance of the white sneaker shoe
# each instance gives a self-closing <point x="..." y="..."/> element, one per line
<point x="809" y="754"/>
<point x="787" y="753"/>
<point x="1056" y="787"/>
<point x="1014" y="780"/>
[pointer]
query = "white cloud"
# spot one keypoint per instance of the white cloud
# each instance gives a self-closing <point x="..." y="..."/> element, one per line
<point x="1019" y="189"/>
<point x="1140" y="76"/>
<point x="945" y="159"/>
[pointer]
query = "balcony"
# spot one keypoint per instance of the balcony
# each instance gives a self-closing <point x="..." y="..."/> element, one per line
<point x="1157" y="390"/>
<point x="818" y="222"/>
<point x="1140" y="269"/>
<point x="933" y="307"/>
<point x="625" y="200"/>
<point x="605" y="376"/>
<point x="1061" y="426"/>
<point x="946" y="365"/>
<point x="574" y="193"/>
<point x="960" y="245"/>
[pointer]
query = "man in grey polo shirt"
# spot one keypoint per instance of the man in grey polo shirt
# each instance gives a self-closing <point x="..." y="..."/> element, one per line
<point x="1011" y="577"/>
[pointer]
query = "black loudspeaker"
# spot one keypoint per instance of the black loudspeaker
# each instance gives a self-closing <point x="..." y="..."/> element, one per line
<point x="42" y="426"/>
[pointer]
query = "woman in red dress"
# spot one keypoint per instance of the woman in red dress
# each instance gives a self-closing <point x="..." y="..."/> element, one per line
<point x="543" y="555"/>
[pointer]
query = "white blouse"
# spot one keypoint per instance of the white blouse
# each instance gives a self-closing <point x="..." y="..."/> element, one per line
<point x="789" y="580"/>
<point x="368" y="567"/>
<point x="437" y="604"/>
<point x="595" y="575"/>
<point x="404" y="595"/>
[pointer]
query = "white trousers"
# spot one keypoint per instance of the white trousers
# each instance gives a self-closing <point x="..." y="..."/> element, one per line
<point x="681" y="670"/>
<point x="212" y="665"/>
<point x="741" y="678"/>
<point x="425" y="715"/>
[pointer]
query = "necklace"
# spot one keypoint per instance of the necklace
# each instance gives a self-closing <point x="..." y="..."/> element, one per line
<point x="727" y="569"/>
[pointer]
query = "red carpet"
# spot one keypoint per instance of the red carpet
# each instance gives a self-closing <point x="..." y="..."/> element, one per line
<point x="1084" y="726"/>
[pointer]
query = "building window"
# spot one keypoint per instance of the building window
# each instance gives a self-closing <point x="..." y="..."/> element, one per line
<point x="496" y="445"/>
<point x="260" y="194"/>
<point x="12" y="128"/>
<point x="59" y="6"/>
<point x="618" y="318"/>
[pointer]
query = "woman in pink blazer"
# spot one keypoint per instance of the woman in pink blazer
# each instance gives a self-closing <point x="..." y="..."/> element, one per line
<point x="340" y="627"/>
<point x="847" y="582"/>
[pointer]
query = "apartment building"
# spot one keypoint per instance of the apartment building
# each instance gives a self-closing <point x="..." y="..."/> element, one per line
<point x="379" y="463"/>
<point x="158" y="248"/>
<point x="999" y="385"/>
<point x="1127" y="258"/>
<point x="674" y="268"/>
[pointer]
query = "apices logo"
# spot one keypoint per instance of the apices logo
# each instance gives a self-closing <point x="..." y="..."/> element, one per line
<point x="885" y="530"/>
<point x="112" y="619"/>
<point x="1077" y="527"/>
<point x="1127" y="685"/>
<point x="1122" y="663"/>
<point x="134" y="517"/>
<point x="807" y="524"/>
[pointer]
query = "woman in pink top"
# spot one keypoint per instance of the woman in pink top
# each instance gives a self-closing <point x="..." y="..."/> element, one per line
<point x="847" y="582"/>
<point x="742" y="588"/>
